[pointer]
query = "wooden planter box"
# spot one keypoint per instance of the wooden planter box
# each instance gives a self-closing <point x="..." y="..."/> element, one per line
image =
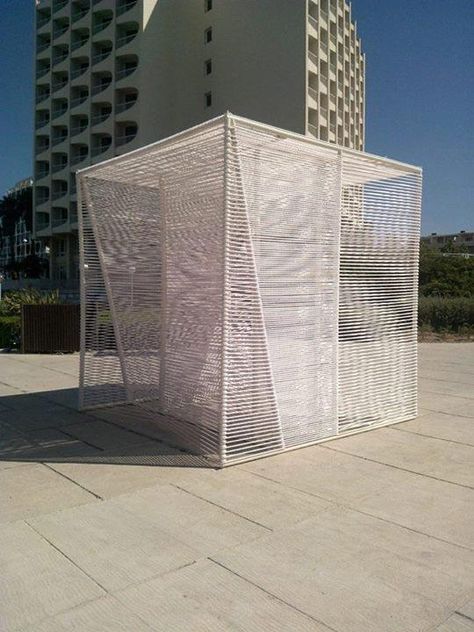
<point x="50" y="328"/>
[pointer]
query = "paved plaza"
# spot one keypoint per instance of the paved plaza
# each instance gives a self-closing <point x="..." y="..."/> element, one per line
<point x="105" y="528"/>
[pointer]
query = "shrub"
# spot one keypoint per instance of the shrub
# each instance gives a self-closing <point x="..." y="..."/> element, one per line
<point x="446" y="314"/>
<point x="9" y="331"/>
<point x="13" y="300"/>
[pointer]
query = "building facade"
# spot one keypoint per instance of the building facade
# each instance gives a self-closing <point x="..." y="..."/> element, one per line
<point x="463" y="241"/>
<point x="112" y="76"/>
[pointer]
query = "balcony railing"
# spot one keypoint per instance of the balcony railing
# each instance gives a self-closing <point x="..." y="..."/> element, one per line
<point x="42" y="96"/>
<point x="77" y="72"/>
<point x="77" y="129"/>
<point x="42" y="199"/>
<point x="42" y="173"/>
<point x="100" y="149"/>
<point x="78" y="43"/>
<point x="125" y="105"/>
<point x="59" y="166"/>
<point x="79" y="158"/>
<point x="58" y="85"/>
<point x="125" y="6"/>
<point x="124" y="72"/>
<point x="43" y="21"/>
<point x="124" y="138"/>
<point x="313" y="129"/>
<point x="59" y="139"/>
<point x="42" y="147"/>
<point x="125" y="39"/>
<point x="41" y="72"/>
<point x="313" y="93"/>
<point x="42" y="122"/>
<point x="100" y="56"/>
<point x="313" y="22"/>
<point x="59" y="5"/>
<point x="78" y="100"/>
<point x="59" y="58"/>
<point x="100" y="118"/>
<point x="41" y="224"/>
<point x="43" y="46"/>
<point x="101" y="26"/>
<point x="324" y="15"/>
<point x="324" y="112"/>
<point x="80" y="13"/>
<point x="100" y="87"/>
<point x="313" y="57"/>
<point x="59" y="194"/>
<point x="59" y="30"/>
<point x="59" y="221"/>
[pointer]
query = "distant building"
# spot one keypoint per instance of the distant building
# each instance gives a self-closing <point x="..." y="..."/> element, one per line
<point x="16" y="237"/>
<point x="114" y="75"/>
<point x="463" y="240"/>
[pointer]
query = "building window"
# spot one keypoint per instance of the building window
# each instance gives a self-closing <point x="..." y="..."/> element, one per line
<point x="208" y="66"/>
<point x="208" y="99"/>
<point x="208" y="35"/>
<point x="207" y="5"/>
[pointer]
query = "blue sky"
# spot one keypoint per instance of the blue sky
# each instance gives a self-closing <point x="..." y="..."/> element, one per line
<point x="420" y="93"/>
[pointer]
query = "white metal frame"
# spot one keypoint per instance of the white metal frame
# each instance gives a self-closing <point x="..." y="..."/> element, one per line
<point x="253" y="289"/>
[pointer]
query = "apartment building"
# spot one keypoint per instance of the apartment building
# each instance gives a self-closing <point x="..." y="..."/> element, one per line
<point x="464" y="241"/>
<point x="112" y="76"/>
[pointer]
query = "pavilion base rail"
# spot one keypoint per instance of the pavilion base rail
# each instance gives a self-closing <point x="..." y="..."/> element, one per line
<point x="249" y="289"/>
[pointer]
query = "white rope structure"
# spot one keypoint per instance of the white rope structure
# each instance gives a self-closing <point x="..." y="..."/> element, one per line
<point x="251" y="289"/>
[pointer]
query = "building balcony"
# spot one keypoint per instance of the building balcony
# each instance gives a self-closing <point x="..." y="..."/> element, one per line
<point x="79" y="98"/>
<point x="42" y="93"/>
<point x="126" y="33"/>
<point x="101" y="52"/>
<point x="60" y="27"/>
<point x="101" y="20"/>
<point x="43" y="42"/>
<point x="79" y="10"/>
<point x="126" y="65"/>
<point x="313" y="94"/>
<point x="43" y="17"/>
<point x="79" y="38"/>
<point x="58" y="5"/>
<point x="42" y="70"/>
<point x="123" y="6"/>
<point x="79" y="67"/>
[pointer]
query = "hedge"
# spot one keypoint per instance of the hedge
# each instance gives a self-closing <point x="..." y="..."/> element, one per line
<point x="446" y="314"/>
<point x="9" y="331"/>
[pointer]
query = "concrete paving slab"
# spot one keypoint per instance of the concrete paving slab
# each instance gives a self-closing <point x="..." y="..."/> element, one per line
<point x="467" y="609"/>
<point x="440" y="403"/>
<point x="113" y="545"/>
<point x="200" y="524"/>
<point x="33" y="490"/>
<point x="451" y="462"/>
<point x="456" y="623"/>
<point x="36" y="580"/>
<point x="441" y="426"/>
<point x="354" y="572"/>
<point x="329" y="475"/>
<point x="20" y="375"/>
<point x="445" y="387"/>
<point x="64" y="363"/>
<point x="108" y="480"/>
<point x="102" y="615"/>
<point x="440" y="509"/>
<point x="47" y="444"/>
<point x="207" y="597"/>
<point x="105" y="435"/>
<point x="253" y="497"/>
